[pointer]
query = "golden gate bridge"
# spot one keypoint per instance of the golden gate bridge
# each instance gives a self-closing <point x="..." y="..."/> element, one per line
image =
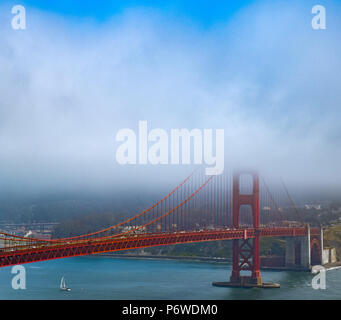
<point x="238" y="207"/>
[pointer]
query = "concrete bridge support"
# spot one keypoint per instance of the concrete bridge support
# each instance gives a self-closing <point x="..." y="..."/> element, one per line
<point x="303" y="252"/>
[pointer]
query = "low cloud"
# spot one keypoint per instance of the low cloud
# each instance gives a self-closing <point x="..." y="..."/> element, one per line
<point x="265" y="76"/>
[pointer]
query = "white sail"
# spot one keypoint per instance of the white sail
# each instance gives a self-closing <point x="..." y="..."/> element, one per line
<point x="62" y="283"/>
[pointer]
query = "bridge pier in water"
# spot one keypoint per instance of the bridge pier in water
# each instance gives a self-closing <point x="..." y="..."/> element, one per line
<point x="246" y="252"/>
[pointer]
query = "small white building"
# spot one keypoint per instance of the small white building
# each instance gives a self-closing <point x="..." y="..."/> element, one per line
<point x="329" y="255"/>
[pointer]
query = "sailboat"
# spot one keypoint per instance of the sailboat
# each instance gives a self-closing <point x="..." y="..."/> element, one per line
<point x="63" y="286"/>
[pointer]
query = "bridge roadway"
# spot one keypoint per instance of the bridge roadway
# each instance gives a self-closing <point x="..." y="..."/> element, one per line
<point x="41" y="251"/>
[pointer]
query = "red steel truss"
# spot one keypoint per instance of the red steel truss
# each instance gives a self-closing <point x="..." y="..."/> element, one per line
<point x="81" y="248"/>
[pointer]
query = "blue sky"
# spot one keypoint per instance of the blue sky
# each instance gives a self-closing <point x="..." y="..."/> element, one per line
<point x="204" y="12"/>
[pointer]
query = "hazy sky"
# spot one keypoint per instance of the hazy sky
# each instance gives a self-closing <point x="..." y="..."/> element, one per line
<point x="80" y="72"/>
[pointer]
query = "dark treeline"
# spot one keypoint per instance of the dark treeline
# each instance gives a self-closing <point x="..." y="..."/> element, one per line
<point x="216" y="249"/>
<point x="87" y="223"/>
<point x="68" y="207"/>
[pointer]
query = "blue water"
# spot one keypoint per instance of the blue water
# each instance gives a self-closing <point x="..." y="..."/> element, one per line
<point x="113" y="278"/>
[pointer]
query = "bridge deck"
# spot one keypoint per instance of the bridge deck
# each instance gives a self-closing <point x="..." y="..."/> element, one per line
<point x="56" y="250"/>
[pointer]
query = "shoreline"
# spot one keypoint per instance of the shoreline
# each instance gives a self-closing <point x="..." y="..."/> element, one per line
<point x="157" y="257"/>
<point x="333" y="266"/>
<point x="227" y="261"/>
<point x="330" y="266"/>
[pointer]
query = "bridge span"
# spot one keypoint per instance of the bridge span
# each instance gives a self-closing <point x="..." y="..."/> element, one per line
<point x="200" y="209"/>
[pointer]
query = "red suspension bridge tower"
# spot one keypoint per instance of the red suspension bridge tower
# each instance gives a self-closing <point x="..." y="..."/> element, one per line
<point x="246" y="251"/>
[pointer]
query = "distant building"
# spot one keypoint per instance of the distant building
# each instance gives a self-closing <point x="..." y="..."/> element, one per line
<point x="313" y="206"/>
<point x="329" y="255"/>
